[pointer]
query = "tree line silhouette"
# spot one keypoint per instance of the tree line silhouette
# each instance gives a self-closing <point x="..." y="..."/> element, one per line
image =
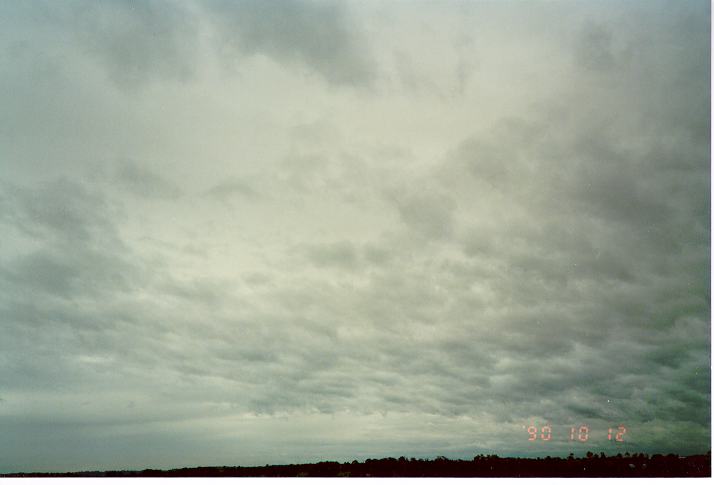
<point x="592" y="465"/>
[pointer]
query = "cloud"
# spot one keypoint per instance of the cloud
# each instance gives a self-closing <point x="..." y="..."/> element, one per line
<point x="137" y="45"/>
<point x="143" y="182"/>
<point x="232" y="188"/>
<point x="341" y="254"/>
<point x="318" y="35"/>
<point x="61" y="210"/>
<point x="134" y="43"/>
<point x="427" y="214"/>
<point x="397" y="273"/>
<point x="594" y="50"/>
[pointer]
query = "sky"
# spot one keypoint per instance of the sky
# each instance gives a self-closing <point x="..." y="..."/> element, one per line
<point x="248" y="232"/>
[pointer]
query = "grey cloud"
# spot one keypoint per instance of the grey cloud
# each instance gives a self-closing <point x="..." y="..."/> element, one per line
<point x="136" y="42"/>
<point x="588" y="270"/>
<point x="408" y="73"/>
<point x="318" y="35"/>
<point x="594" y="48"/>
<point x="54" y="273"/>
<point x="340" y="254"/>
<point x="307" y="171"/>
<point x="429" y="214"/>
<point x="74" y="260"/>
<point x="500" y="157"/>
<point x="232" y="188"/>
<point x="345" y="255"/>
<point x="144" y="182"/>
<point x="376" y="254"/>
<point x="140" y="44"/>
<point x="61" y="210"/>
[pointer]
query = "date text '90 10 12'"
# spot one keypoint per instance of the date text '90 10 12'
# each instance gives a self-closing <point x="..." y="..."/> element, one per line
<point x="577" y="433"/>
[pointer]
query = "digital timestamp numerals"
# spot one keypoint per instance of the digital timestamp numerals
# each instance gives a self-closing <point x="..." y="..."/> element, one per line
<point x="577" y="433"/>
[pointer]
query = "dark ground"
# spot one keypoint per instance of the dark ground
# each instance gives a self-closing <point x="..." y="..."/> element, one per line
<point x="638" y="465"/>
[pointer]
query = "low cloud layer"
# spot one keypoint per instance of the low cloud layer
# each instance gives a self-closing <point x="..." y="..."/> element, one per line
<point x="249" y="233"/>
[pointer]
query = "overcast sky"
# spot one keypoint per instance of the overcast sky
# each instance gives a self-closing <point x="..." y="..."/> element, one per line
<point x="249" y="232"/>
